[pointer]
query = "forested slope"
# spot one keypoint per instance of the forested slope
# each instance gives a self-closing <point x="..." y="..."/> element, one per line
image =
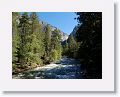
<point x="35" y="43"/>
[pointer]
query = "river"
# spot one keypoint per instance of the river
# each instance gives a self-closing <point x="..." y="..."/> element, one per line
<point x="66" y="68"/>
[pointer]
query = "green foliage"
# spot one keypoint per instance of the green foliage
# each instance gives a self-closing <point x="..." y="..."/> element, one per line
<point x="56" y="42"/>
<point x="28" y="46"/>
<point x="24" y="28"/>
<point x="65" y="48"/>
<point x="37" y="36"/>
<point x="32" y="46"/>
<point x="47" y="39"/>
<point x="15" y="37"/>
<point x="52" y="44"/>
<point x="54" y="55"/>
<point x="71" y="47"/>
<point x="59" y="50"/>
<point x="89" y="35"/>
<point x="86" y="44"/>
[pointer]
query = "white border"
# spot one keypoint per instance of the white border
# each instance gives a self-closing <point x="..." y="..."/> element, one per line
<point x="104" y="84"/>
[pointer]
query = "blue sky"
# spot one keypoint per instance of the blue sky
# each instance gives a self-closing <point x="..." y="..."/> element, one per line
<point x="63" y="20"/>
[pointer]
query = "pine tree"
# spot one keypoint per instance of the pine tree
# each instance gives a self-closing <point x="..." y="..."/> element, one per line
<point x="65" y="48"/>
<point x="15" y="39"/>
<point x="32" y="43"/>
<point x="15" y="36"/>
<point x="56" y="44"/>
<point x="24" y="28"/>
<point x="47" y="42"/>
<point x="89" y="35"/>
<point x="36" y="40"/>
<point x="72" y="45"/>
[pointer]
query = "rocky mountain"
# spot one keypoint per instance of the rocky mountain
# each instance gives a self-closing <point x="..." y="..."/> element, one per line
<point x="64" y="36"/>
<point x="75" y="30"/>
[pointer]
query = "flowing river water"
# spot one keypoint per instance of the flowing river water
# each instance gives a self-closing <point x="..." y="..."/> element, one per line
<point x="66" y="68"/>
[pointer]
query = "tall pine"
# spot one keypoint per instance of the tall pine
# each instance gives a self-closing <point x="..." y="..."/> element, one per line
<point x="15" y="39"/>
<point x="47" y="42"/>
<point x="37" y="49"/>
<point x="25" y="46"/>
<point x="56" y="45"/>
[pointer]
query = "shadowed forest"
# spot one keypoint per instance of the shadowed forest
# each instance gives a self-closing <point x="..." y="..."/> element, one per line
<point x="39" y="51"/>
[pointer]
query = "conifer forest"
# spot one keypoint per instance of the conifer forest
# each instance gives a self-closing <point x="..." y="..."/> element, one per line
<point x="42" y="51"/>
